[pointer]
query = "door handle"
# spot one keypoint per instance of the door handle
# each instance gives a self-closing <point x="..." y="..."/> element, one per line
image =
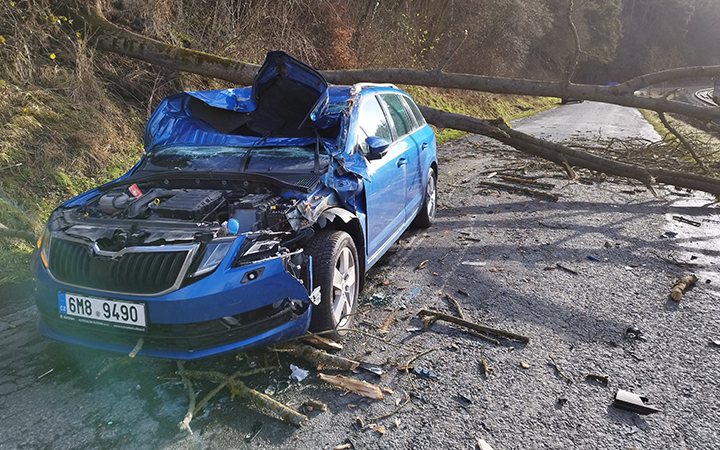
<point x="401" y="162"/>
<point x="424" y="146"/>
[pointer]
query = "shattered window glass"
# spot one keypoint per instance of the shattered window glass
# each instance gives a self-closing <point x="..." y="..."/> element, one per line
<point x="230" y="159"/>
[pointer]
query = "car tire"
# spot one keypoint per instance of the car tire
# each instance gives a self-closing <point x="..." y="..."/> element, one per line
<point x="336" y="269"/>
<point x="426" y="215"/>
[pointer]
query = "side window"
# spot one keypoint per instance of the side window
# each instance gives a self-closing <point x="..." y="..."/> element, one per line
<point x="397" y="114"/>
<point x="415" y="111"/>
<point x="371" y="122"/>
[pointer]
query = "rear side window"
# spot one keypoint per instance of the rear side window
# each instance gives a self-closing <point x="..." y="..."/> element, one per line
<point x="415" y="111"/>
<point x="371" y="122"/>
<point x="397" y="114"/>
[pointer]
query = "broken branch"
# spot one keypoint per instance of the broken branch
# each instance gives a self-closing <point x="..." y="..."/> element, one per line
<point x="185" y="424"/>
<point x="432" y="316"/>
<point x="462" y="316"/>
<point x="318" y="357"/>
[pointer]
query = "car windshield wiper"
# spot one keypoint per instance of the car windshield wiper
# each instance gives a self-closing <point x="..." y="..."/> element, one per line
<point x="245" y="160"/>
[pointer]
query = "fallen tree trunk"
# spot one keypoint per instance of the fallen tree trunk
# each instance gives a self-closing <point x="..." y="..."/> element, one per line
<point x="110" y="37"/>
<point x="565" y="156"/>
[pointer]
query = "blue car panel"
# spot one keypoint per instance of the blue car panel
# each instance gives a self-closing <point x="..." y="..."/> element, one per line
<point x="209" y="244"/>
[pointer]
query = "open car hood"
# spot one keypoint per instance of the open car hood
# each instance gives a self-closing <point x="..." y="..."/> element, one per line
<point x="288" y="99"/>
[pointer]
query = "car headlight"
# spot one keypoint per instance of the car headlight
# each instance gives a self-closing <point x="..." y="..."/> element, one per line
<point x="213" y="256"/>
<point x="257" y="249"/>
<point x="43" y="245"/>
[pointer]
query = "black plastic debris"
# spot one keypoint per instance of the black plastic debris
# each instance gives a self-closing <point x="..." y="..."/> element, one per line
<point x="371" y="368"/>
<point x="463" y="400"/>
<point x="635" y="333"/>
<point x="425" y="373"/>
<point x="561" y="402"/>
<point x="254" y="431"/>
<point x="633" y="402"/>
<point x="687" y="221"/>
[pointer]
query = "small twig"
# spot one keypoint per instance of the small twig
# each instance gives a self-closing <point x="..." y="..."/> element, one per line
<point x="46" y="373"/>
<point x="560" y="372"/>
<point x="451" y="54"/>
<point x="486" y="369"/>
<point x="423" y="353"/>
<point x="384" y="416"/>
<point x="137" y="348"/>
<point x="566" y="269"/>
<point x="185" y="424"/>
<point x="407" y="364"/>
<point x="388" y="321"/>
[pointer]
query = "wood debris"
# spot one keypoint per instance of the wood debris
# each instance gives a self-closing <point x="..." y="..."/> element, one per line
<point x="679" y="287"/>
<point x="560" y="372"/>
<point x="311" y="405"/>
<point x="429" y="316"/>
<point x="321" y="357"/>
<point x="599" y="378"/>
<point x="237" y="388"/>
<point x="359" y="387"/>
<point x="487" y="370"/>
<point x="385" y="327"/>
<point x="462" y="316"/>
<point x="323" y="343"/>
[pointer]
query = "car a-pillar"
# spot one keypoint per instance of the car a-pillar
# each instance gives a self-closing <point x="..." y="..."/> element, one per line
<point x="338" y="266"/>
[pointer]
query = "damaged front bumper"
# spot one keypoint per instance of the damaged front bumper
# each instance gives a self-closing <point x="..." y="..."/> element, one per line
<point x="233" y="308"/>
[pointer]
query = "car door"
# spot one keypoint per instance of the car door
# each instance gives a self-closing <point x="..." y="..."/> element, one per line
<point x="424" y="139"/>
<point x="385" y="184"/>
<point x="405" y="127"/>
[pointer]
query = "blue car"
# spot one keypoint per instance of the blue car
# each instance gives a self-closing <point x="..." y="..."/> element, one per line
<point x="251" y="218"/>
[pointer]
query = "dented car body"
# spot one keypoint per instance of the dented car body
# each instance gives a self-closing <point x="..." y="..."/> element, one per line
<point x="252" y="217"/>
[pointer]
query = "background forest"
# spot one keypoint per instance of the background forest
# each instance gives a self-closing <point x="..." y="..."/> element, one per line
<point x="71" y="117"/>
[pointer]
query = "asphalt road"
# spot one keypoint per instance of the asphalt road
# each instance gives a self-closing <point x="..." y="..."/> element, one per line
<point x="512" y="261"/>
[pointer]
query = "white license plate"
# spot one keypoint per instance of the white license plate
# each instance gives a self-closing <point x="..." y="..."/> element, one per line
<point x="93" y="309"/>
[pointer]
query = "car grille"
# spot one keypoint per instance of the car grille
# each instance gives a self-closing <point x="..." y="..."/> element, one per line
<point x="134" y="272"/>
<point x="181" y="337"/>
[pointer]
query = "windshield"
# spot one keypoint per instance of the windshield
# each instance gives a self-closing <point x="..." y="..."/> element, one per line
<point x="277" y="159"/>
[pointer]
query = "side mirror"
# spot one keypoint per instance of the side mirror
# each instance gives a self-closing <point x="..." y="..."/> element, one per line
<point x="378" y="147"/>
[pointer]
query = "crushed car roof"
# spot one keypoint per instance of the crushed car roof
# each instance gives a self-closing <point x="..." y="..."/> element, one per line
<point x="288" y="99"/>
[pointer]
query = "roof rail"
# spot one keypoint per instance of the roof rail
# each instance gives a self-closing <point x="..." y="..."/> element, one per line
<point x="357" y="87"/>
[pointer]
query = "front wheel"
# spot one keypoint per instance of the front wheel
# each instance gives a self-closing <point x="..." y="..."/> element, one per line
<point x="426" y="215"/>
<point x="337" y="272"/>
